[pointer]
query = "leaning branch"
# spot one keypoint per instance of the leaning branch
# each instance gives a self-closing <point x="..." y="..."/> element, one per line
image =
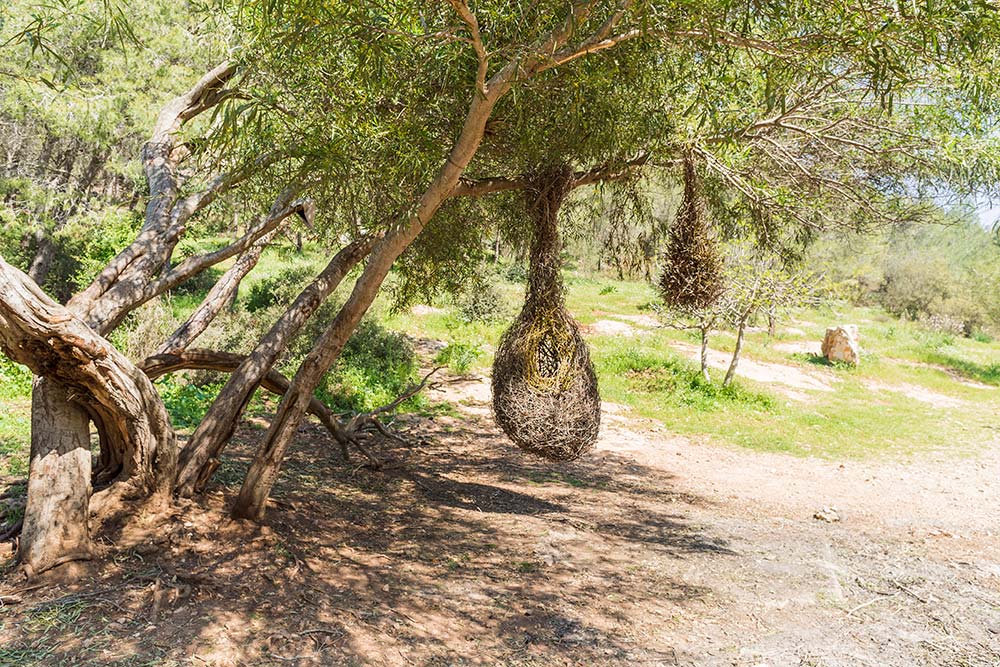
<point x="198" y="263"/>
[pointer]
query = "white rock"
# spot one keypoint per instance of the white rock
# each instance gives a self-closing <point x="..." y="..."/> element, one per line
<point x="843" y="343"/>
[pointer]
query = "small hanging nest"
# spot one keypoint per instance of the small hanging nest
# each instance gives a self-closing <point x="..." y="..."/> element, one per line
<point x="544" y="386"/>
<point x="692" y="271"/>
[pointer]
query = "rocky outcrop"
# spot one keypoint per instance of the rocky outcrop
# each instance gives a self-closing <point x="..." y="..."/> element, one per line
<point x="843" y="344"/>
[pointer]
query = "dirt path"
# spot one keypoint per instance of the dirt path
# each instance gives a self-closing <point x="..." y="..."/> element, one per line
<point x="653" y="550"/>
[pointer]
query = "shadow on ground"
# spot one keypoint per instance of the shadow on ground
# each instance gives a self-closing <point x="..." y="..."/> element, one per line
<point x="462" y="551"/>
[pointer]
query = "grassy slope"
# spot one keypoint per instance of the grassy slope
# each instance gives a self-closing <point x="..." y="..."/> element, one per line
<point x="648" y="374"/>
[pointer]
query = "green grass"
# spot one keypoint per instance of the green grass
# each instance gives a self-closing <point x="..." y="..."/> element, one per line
<point x="652" y="377"/>
<point x="647" y="373"/>
<point x="15" y="418"/>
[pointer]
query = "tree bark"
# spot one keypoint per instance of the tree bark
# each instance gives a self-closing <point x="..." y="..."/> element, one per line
<point x="57" y="512"/>
<point x="200" y="456"/>
<point x="45" y="253"/>
<point x="731" y="373"/>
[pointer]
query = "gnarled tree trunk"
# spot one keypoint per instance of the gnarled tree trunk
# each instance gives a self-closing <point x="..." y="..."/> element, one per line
<point x="85" y="376"/>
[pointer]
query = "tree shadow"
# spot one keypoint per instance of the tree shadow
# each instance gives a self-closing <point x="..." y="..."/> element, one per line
<point x="466" y="551"/>
<point x="985" y="373"/>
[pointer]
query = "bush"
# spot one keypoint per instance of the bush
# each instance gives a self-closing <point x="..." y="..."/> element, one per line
<point x="278" y="290"/>
<point x="15" y="379"/>
<point x="483" y="303"/>
<point x="200" y="283"/>
<point x="144" y="329"/>
<point x="516" y="273"/>
<point x="375" y="366"/>
<point x="943" y="324"/>
<point x="186" y="402"/>
<point x="981" y="337"/>
<point x="458" y="356"/>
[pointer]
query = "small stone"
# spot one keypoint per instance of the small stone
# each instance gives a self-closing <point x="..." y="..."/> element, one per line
<point x="828" y="514"/>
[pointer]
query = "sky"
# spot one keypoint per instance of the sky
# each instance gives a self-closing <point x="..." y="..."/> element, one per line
<point x="989" y="212"/>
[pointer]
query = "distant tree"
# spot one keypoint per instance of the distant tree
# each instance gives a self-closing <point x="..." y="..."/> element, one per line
<point x="752" y="282"/>
<point x="758" y="283"/>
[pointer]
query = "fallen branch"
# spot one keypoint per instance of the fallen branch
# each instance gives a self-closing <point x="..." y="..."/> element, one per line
<point x="227" y="362"/>
<point x="353" y="433"/>
<point x="361" y="425"/>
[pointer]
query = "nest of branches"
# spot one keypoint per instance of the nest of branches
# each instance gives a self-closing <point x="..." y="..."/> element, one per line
<point x="692" y="266"/>
<point x="545" y="394"/>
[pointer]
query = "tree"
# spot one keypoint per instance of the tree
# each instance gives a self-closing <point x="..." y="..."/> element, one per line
<point x="396" y="123"/>
<point x="757" y="282"/>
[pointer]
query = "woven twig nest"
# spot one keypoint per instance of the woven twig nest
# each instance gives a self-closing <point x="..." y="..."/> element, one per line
<point x="692" y="267"/>
<point x="545" y="394"/>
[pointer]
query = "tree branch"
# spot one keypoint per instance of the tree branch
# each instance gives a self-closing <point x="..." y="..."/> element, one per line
<point x="470" y="20"/>
<point x="198" y="263"/>
<point x="484" y="186"/>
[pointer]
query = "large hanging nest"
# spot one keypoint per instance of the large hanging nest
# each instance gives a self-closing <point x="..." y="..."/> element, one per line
<point x="692" y="271"/>
<point x="544" y="386"/>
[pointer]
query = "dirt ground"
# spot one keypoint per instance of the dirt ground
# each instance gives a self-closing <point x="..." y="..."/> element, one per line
<point x="653" y="550"/>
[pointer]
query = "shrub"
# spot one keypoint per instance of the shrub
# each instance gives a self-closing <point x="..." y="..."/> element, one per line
<point x="943" y="324"/>
<point x="15" y="379"/>
<point x="375" y="366"/>
<point x="981" y="337"/>
<point x="517" y="273"/>
<point x="458" y="356"/>
<point x="186" y="402"/>
<point x="144" y="329"/>
<point x="200" y="283"/>
<point x="278" y="290"/>
<point x="482" y="303"/>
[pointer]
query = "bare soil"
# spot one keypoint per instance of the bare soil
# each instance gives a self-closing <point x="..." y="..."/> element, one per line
<point x="784" y="378"/>
<point x="653" y="550"/>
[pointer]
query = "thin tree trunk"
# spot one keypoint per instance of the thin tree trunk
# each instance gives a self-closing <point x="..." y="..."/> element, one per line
<point x="223" y="293"/>
<point x="731" y="373"/>
<point x="45" y="253"/>
<point x="704" y="354"/>
<point x="200" y="456"/>
<point x="496" y="247"/>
